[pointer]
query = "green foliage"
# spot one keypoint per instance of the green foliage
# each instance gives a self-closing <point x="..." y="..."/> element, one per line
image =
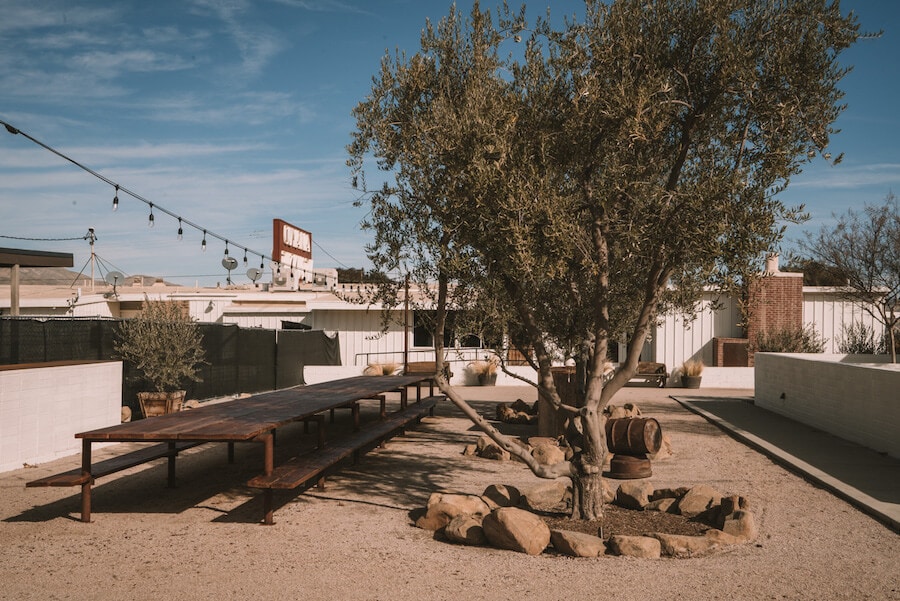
<point x="163" y="344"/>
<point x="789" y="340"/>
<point x="859" y="339"/>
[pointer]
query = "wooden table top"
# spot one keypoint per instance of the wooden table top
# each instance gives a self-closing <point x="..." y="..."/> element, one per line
<point x="246" y="418"/>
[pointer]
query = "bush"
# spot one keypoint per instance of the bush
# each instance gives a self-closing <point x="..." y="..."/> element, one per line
<point x="789" y="340"/>
<point x="859" y="339"/>
<point x="163" y="344"/>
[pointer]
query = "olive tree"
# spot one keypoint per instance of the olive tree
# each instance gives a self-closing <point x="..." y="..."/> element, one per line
<point x="863" y="250"/>
<point x="579" y="180"/>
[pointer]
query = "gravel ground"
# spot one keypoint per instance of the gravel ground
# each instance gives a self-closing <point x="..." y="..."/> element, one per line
<point x="355" y="540"/>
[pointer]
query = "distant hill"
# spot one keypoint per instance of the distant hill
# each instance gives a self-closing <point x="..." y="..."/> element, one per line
<point x="45" y="276"/>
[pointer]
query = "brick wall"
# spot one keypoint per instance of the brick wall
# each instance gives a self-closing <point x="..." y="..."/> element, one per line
<point x="776" y="302"/>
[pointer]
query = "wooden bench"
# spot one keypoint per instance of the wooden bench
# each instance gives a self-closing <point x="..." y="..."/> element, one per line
<point x="314" y="464"/>
<point x="77" y="476"/>
<point x="652" y="372"/>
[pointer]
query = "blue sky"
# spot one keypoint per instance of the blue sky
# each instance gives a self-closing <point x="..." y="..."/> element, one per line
<point x="230" y="113"/>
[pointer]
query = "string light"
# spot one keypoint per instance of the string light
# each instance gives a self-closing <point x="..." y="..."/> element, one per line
<point x="151" y="217"/>
<point x="226" y="248"/>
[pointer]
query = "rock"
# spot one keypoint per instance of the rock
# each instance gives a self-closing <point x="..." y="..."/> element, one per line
<point x="499" y="495"/>
<point x="126" y="414"/>
<point x="669" y="493"/>
<point x="609" y="491"/>
<point x="665" y="449"/>
<point x="548" y="454"/>
<point x="577" y="544"/>
<point x="644" y="547"/>
<point x="488" y="449"/>
<point x="697" y="500"/>
<point x="549" y="493"/>
<point x="444" y="507"/>
<point x="618" y="412"/>
<point x="521" y="406"/>
<point x="681" y="546"/>
<point x="661" y="505"/>
<point x="470" y="450"/>
<point x="466" y="530"/>
<point x="634" y="494"/>
<point x="721" y="538"/>
<point x="516" y="530"/>
<point x="742" y="525"/>
<point x="191" y="404"/>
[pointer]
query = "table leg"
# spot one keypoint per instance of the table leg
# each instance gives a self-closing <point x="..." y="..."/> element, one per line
<point x="404" y="395"/>
<point x="268" y="467"/>
<point x="230" y="452"/>
<point x="171" y="460"/>
<point x="355" y="409"/>
<point x="86" y="487"/>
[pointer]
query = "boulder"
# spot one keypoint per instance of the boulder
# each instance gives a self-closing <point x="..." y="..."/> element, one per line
<point x="618" y="412"/>
<point x="634" y="494"/>
<point x="661" y="505"/>
<point x="466" y="530"/>
<point x="669" y="493"/>
<point x="443" y="507"/>
<point x="516" y="530"/>
<point x="644" y="547"/>
<point x="126" y="414"/>
<point x="488" y="449"/>
<point x="697" y="500"/>
<point x="499" y="495"/>
<point x="548" y="493"/>
<point x="548" y="454"/>
<point x="665" y="449"/>
<point x="609" y="491"/>
<point x="577" y="544"/>
<point x="681" y="546"/>
<point x="470" y="450"/>
<point x="742" y="525"/>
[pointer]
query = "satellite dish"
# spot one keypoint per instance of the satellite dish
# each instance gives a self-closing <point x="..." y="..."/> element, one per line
<point x="229" y="263"/>
<point x="114" y="277"/>
<point x="254" y="273"/>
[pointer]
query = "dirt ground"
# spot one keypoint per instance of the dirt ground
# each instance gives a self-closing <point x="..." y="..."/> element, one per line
<point x="356" y="540"/>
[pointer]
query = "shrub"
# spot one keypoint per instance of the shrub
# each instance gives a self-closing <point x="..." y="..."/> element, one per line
<point x="859" y="339"/>
<point x="789" y="340"/>
<point x="692" y="367"/>
<point x="163" y="344"/>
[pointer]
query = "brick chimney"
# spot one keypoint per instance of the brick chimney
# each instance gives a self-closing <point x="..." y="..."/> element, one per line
<point x="776" y="301"/>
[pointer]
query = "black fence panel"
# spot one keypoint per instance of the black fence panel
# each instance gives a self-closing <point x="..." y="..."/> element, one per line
<point x="238" y="359"/>
<point x="297" y="348"/>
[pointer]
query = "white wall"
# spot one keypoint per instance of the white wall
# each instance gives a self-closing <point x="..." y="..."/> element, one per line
<point x="674" y="341"/>
<point x="859" y="402"/>
<point x="42" y="407"/>
<point x="828" y="314"/>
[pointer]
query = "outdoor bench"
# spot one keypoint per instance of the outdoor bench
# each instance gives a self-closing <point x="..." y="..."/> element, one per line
<point x="78" y="476"/>
<point x="314" y="464"/>
<point x="652" y="372"/>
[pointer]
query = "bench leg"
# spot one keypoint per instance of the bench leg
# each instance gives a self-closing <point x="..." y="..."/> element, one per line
<point x="171" y="461"/>
<point x="404" y="395"/>
<point x="230" y="452"/>
<point x="268" y="510"/>
<point x="86" y="487"/>
<point x="355" y="410"/>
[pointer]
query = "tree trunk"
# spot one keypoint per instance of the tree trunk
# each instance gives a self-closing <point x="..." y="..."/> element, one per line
<point x="587" y="484"/>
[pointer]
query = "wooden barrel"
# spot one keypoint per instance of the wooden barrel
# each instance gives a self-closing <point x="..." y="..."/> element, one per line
<point x="633" y="435"/>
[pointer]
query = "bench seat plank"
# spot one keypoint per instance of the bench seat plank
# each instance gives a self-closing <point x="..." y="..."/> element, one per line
<point x="75" y="477"/>
<point x="303" y="468"/>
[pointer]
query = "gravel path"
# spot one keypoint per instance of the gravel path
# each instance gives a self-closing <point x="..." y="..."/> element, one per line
<point x="356" y="541"/>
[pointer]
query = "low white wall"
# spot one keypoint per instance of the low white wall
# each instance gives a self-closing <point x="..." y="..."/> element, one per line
<point x="43" y="406"/>
<point x="838" y="394"/>
<point x="718" y="377"/>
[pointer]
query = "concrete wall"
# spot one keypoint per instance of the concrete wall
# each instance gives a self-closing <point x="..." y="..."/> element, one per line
<point x="43" y="406"/>
<point x="856" y="398"/>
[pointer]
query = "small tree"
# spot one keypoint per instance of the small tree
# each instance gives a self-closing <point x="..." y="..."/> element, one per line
<point x="864" y="248"/>
<point x="605" y="173"/>
<point x="163" y="344"/>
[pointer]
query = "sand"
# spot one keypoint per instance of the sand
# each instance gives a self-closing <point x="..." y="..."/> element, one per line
<point x="356" y="540"/>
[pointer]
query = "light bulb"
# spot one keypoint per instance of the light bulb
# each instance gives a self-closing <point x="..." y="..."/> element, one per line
<point x="150" y="222"/>
<point x="203" y="243"/>
<point x="180" y="230"/>
<point x="116" y="200"/>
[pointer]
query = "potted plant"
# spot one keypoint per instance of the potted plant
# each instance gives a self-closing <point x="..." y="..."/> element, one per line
<point x="690" y="373"/>
<point x="381" y="369"/>
<point x="485" y="370"/>
<point x="165" y="346"/>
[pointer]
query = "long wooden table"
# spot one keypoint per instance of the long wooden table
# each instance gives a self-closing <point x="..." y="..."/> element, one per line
<point x="250" y="419"/>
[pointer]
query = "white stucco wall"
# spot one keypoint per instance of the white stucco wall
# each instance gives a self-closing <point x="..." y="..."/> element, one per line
<point x="838" y="394"/>
<point x="43" y="406"/>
